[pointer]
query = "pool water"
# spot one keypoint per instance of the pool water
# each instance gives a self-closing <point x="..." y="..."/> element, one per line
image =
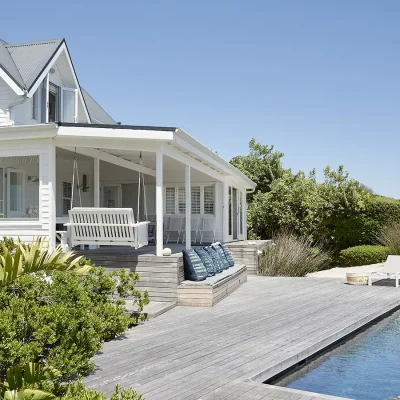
<point x="366" y="367"/>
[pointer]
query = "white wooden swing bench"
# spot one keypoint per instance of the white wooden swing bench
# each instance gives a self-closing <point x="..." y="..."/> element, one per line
<point x="103" y="227"/>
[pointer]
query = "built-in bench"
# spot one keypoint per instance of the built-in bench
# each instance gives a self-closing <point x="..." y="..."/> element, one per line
<point x="209" y="292"/>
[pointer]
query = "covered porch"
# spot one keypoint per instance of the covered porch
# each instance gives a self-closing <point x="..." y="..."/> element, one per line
<point x="186" y="192"/>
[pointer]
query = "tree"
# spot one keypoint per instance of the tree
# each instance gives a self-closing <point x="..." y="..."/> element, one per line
<point x="262" y="165"/>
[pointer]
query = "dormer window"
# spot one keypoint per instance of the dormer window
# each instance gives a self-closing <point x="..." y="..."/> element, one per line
<point x="63" y="104"/>
<point x="54" y="94"/>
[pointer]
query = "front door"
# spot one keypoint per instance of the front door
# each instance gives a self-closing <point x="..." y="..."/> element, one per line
<point x="111" y="196"/>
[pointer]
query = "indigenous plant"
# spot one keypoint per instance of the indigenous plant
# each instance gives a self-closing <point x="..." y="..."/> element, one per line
<point x="390" y="236"/>
<point x="291" y="255"/>
<point x="51" y="315"/>
<point x="363" y="255"/>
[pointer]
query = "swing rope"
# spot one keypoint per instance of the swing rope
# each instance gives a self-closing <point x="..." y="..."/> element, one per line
<point x="75" y="171"/>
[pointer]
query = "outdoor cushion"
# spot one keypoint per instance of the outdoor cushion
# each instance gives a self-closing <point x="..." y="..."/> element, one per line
<point x="219" y="266"/>
<point x="228" y="254"/>
<point x="221" y="254"/>
<point x="194" y="268"/>
<point x="206" y="260"/>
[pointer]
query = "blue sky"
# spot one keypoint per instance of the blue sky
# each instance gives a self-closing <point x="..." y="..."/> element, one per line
<point x="317" y="79"/>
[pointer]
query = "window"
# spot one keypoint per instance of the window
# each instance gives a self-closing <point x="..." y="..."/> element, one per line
<point x="67" y="197"/>
<point x="54" y="104"/>
<point x="19" y="187"/>
<point x="209" y="200"/>
<point x="170" y="200"/>
<point x="69" y="105"/>
<point x="202" y="200"/>
<point x="230" y="210"/>
<point x="241" y="212"/>
<point x="181" y="201"/>
<point x="196" y="202"/>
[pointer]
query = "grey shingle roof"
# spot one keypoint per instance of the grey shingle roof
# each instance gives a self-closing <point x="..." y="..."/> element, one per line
<point x="96" y="112"/>
<point x="31" y="58"/>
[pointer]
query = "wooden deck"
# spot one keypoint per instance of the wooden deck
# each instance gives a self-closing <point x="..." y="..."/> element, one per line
<point x="225" y="352"/>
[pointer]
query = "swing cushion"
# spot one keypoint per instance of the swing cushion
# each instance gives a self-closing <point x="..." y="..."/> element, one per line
<point x="219" y="266"/>
<point x="194" y="268"/>
<point x="206" y="260"/>
<point x="228" y="254"/>
<point x="221" y="254"/>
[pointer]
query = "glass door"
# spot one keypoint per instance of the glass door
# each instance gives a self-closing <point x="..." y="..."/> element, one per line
<point x="69" y="105"/>
<point x="235" y="213"/>
<point x="15" y="193"/>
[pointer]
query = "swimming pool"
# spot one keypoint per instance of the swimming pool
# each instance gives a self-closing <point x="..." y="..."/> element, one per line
<point x="366" y="367"/>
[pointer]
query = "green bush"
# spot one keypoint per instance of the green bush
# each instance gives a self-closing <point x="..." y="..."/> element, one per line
<point x="63" y="319"/>
<point x="363" y="255"/>
<point x="291" y="255"/>
<point x="389" y="236"/>
<point x="78" y="391"/>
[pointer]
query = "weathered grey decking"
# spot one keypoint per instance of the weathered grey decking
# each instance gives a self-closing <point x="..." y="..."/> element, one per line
<point x="261" y="329"/>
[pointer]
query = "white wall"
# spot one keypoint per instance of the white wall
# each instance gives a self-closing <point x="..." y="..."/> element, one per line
<point x="64" y="170"/>
<point x="7" y="96"/>
<point x="25" y="229"/>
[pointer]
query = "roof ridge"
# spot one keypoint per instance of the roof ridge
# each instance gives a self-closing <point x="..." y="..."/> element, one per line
<point x="33" y="43"/>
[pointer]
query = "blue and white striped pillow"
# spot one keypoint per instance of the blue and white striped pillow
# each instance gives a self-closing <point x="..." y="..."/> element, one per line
<point x="221" y="254"/>
<point x="228" y="254"/>
<point x="194" y="268"/>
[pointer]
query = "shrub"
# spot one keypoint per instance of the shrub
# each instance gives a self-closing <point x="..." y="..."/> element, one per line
<point x="390" y="236"/>
<point x="62" y="319"/>
<point x="291" y="255"/>
<point x="363" y="255"/>
<point x="78" y="391"/>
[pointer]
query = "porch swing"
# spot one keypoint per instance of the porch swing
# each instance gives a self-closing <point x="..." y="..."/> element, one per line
<point x="105" y="226"/>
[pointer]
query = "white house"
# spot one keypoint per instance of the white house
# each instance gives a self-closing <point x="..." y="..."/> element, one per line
<point x="47" y="120"/>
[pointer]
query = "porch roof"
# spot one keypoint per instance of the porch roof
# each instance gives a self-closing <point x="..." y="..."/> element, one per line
<point x="177" y="143"/>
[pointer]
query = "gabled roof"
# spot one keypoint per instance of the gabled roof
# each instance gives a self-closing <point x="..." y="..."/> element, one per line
<point x="96" y="112"/>
<point x="24" y="63"/>
<point x="30" y="59"/>
<point x="8" y="65"/>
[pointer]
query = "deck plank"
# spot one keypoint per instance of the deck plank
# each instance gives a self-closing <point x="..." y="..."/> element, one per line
<point x="256" y="332"/>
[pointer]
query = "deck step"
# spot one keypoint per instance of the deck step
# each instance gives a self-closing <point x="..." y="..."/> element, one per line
<point x="153" y="309"/>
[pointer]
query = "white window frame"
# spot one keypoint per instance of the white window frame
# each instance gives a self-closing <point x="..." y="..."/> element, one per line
<point x="177" y="187"/>
<point x="25" y="222"/>
<point x="66" y="198"/>
<point x="23" y="211"/>
<point x="66" y="89"/>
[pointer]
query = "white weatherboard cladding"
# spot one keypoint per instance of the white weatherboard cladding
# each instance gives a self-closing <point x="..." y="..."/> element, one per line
<point x="64" y="169"/>
<point x="23" y="229"/>
<point x="7" y="96"/>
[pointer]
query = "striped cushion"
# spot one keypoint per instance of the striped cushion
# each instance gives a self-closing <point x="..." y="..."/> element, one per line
<point x="228" y="254"/>
<point x="194" y="268"/>
<point x="219" y="266"/>
<point x="221" y="254"/>
<point x="206" y="260"/>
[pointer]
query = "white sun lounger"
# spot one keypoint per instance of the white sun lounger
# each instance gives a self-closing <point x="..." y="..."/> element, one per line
<point x="390" y="270"/>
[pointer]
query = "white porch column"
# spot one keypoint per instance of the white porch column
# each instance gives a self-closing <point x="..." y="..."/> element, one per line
<point x="159" y="203"/>
<point x="52" y="194"/>
<point x="225" y="211"/>
<point x="188" y="198"/>
<point x="96" y="188"/>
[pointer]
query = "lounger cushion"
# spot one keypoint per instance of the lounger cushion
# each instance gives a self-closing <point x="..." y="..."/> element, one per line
<point x="194" y="268"/>
<point x="219" y="266"/>
<point x="221" y="254"/>
<point x="206" y="260"/>
<point x="228" y="254"/>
